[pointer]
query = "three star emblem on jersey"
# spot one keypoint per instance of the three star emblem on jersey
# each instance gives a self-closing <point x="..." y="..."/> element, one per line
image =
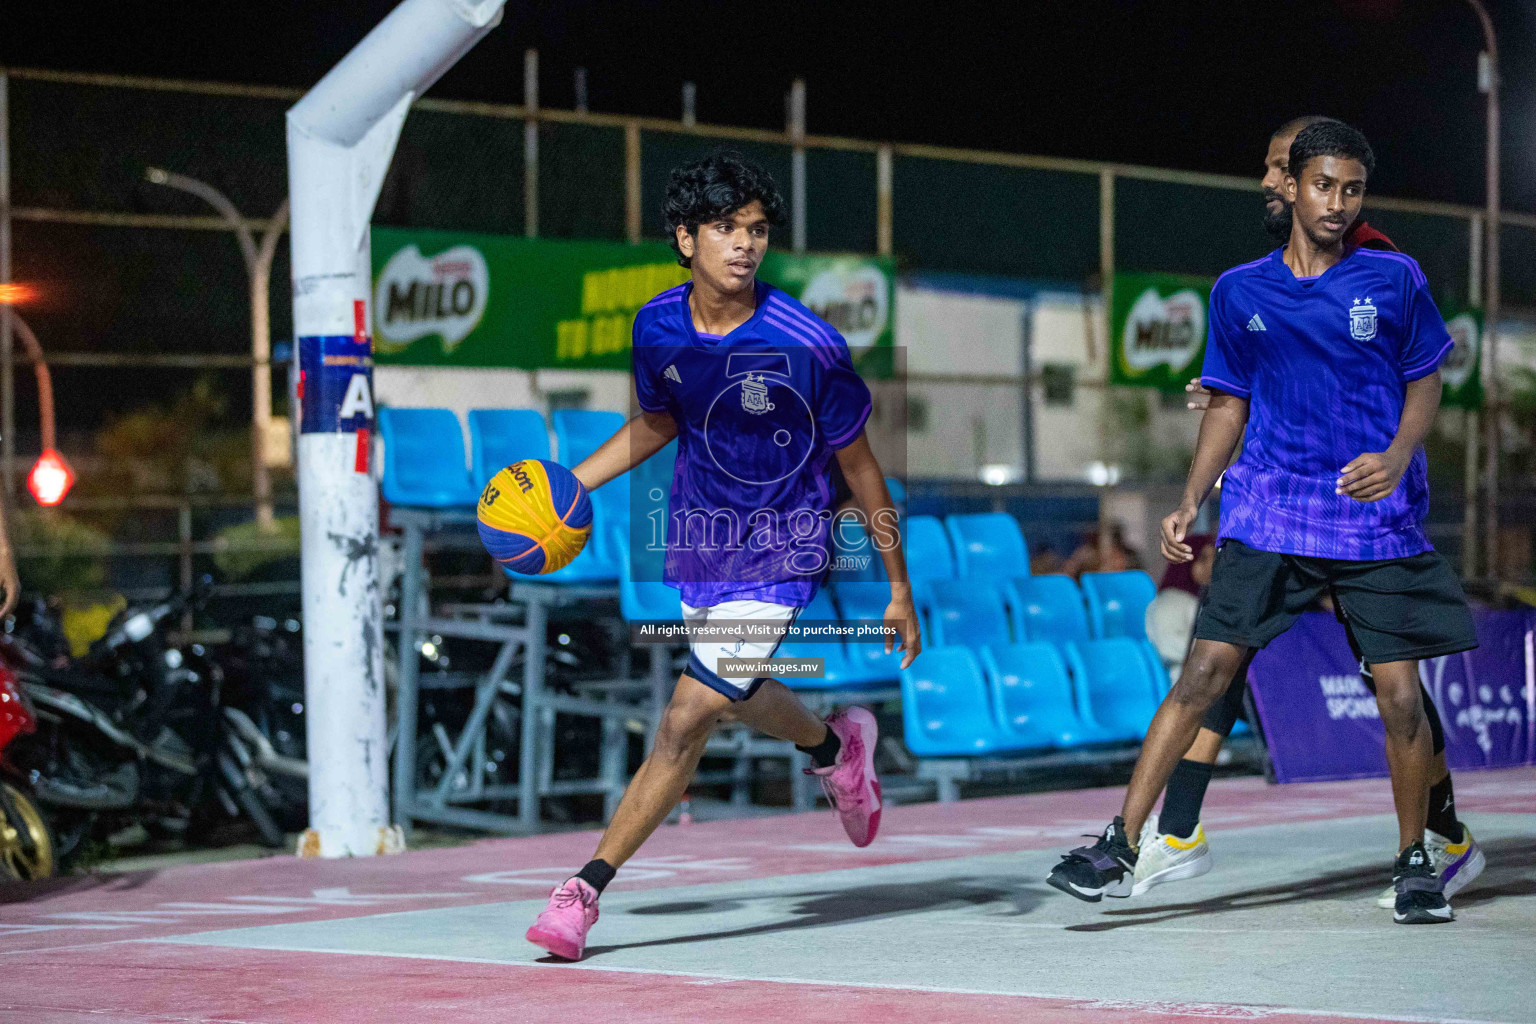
<point x="1256" y="324"/>
<point x="1362" y="320"/>
<point x="754" y="395"/>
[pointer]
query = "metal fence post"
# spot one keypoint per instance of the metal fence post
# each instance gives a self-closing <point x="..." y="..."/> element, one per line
<point x="531" y="144"/>
<point x="7" y="370"/>
<point x="533" y="694"/>
<point x="797" y="165"/>
<point x="1106" y="253"/>
<point x="632" y="181"/>
<point x="884" y="205"/>
<point x="1469" y="418"/>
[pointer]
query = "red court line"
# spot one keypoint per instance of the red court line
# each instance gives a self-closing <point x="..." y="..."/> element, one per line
<point x="140" y="983"/>
<point x="281" y="890"/>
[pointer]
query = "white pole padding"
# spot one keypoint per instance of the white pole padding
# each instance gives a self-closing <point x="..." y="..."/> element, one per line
<point x="341" y="137"/>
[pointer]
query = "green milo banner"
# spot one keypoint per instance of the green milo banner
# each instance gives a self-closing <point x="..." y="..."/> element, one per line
<point x="1157" y="329"/>
<point x="1461" y="370"/>
<point x="447" y="298"/>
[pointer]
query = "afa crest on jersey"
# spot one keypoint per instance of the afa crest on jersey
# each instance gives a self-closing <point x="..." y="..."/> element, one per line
<point x="754" y="395"/>
<point x="1362" y="320"/>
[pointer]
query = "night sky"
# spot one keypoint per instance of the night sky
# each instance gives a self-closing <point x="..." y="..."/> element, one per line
<point x="1190" y="85"/>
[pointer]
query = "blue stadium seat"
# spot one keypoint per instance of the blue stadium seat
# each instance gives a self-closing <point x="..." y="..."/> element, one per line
<point x="644" y="599"/>
<point x="840" y="673"/>
<point x="1160" y="681"/>
<point x="898" y="491"/>
<point x="858" y="602"/>
<point x="500" y="437"/>
<point x="424" y="459"/>
<point x="945" y="709"/>
<point x="1114" y="685"/>
<point x="928" y="558"/>
<point x="964" y="614"/>
<point x="1117" y="602"/>
<point x="988" y="545"/>
<point x="1047" y="608"/>
<point x="1032" y="695"/>
<point x="927" y="549"/>
<point x="579" y="433"/>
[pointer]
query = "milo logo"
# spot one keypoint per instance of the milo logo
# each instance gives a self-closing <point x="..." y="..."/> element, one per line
<point x="1163" y="331"/>
<point x="1461" y="361"/>
<point x="856" y="301"/>
<point x="417" y="296"/>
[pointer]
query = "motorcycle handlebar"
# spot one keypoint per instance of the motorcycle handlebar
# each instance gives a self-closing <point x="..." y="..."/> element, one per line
<point x="140" y="624"/>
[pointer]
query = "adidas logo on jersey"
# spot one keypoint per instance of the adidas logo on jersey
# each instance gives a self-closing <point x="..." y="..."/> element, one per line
<point x="671" y="374"/>
<point x="1256" y="324"/>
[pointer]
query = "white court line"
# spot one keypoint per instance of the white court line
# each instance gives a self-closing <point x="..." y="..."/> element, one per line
<point x="1140" y="928"/>
<point x="1273" y="1011"/>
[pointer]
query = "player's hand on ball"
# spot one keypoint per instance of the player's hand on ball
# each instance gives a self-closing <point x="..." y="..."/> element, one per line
<point x="1175" y="527"/>
<point x="1371" y="476"/>
<point x="1199" y="397"/>
<point x="902" y="614"/>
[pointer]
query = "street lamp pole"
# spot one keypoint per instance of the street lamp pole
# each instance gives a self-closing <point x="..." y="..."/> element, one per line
<point x="1488" y="84"/>
<point x="258" y="266"/>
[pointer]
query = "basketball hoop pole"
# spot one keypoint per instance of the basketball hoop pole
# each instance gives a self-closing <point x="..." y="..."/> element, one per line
<point x="341" y="136"/>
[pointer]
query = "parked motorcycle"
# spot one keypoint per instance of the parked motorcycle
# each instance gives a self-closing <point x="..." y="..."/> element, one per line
<point x="26" y="847"/>
<point x="136" y="732"/>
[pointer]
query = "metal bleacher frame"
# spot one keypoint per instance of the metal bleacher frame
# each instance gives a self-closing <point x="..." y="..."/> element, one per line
<point x="947" y="773"/>
<point x="519" y="626"/>
<point x="531" y="602"/>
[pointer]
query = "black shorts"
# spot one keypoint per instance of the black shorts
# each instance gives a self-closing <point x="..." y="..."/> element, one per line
<point x="1399" y="609"/>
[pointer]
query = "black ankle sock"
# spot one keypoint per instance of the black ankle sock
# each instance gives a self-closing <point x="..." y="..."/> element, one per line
<point x="1442" y="810"/>
<point x="1182" y="801"/>
<point x="824" y="754"/>
<point x="597" y="874"/>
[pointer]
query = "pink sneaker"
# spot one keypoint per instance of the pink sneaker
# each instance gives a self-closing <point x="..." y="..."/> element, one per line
<point x="562" y="928"/>
<point x="850" y="784"/>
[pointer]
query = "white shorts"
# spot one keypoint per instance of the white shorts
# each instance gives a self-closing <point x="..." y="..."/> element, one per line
<point x="768" y="622"/>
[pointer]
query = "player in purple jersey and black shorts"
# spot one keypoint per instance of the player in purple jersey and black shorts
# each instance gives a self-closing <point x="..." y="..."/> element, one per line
<point x="1173" y="844"/>
<point x="761" y="397"/>
<point x="1325" y="362"/>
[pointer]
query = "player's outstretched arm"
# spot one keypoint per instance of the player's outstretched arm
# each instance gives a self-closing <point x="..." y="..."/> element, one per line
<point x="1374" y="475"/>
<point x="1220" y="431"/>
<point x="867" y="482"/>
<point x="630" y="445"/>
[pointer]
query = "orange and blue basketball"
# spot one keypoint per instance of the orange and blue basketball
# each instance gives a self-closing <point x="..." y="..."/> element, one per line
<point x="534" y="517"/>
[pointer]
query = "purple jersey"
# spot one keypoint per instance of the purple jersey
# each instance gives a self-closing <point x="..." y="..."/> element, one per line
<point x="1323" y="362"/>
<point x="759" y="414"/>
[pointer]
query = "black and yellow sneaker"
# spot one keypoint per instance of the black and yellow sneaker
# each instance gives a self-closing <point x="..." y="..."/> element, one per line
<point x="1420" y="892"/>
<point x="1107" y="868"/>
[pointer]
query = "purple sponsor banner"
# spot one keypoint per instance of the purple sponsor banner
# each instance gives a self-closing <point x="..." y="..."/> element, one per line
<point x="1321" y="722"/>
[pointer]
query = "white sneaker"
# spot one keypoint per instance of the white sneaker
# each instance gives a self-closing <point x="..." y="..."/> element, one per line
<point x="1165" y="858"/>
<point x="1455" y="863"/>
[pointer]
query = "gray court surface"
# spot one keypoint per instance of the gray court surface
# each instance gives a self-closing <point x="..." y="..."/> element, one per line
<point x="1287" y="919"/>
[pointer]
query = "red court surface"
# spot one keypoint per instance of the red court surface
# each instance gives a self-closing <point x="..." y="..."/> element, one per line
<point x="944" y="918"/>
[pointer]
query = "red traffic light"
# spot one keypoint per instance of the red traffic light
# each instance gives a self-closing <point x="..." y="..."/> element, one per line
<point x="50" y="479"/>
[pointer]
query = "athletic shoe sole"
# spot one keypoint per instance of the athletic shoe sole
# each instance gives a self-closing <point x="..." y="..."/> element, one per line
<point x="553" y="944"/>
<point x="1174" y="873"/>
<point x="1424" y="915"/>
<point x="1117" y="890"/>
